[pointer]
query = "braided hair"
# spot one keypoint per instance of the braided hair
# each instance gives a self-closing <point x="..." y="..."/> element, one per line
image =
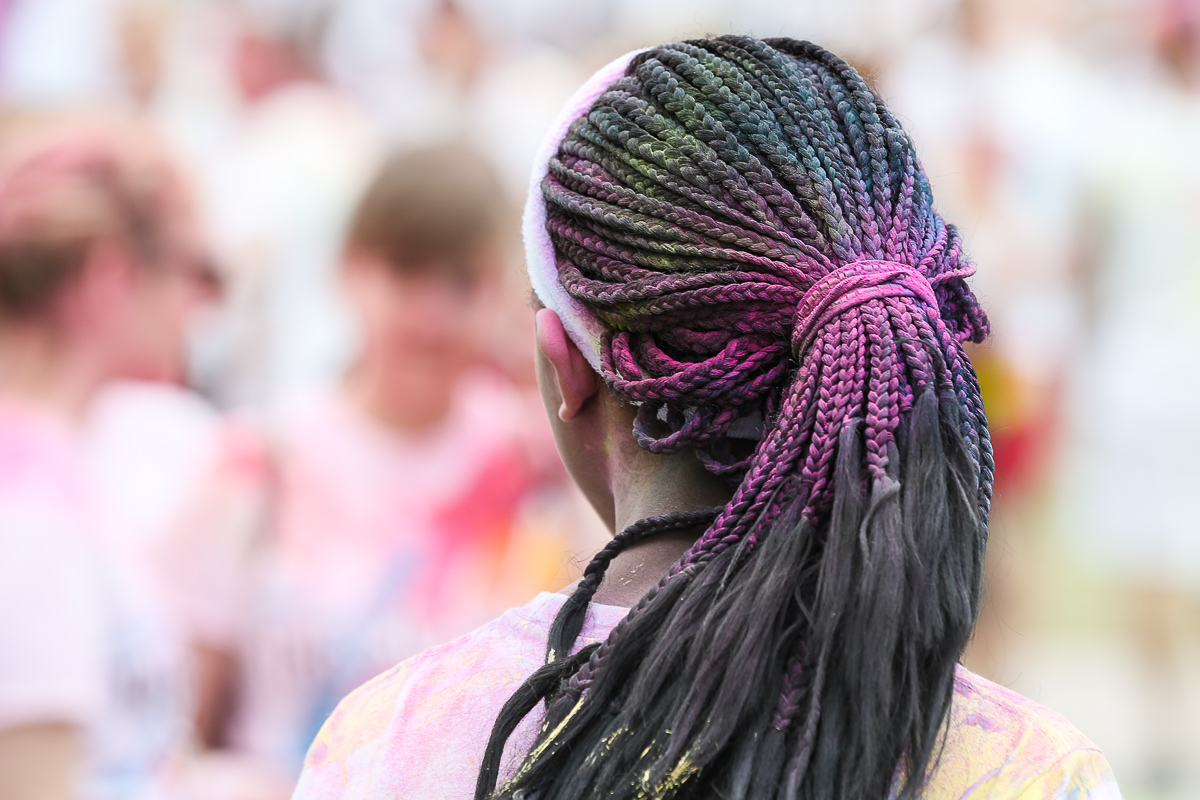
<point x="752" y="227"/>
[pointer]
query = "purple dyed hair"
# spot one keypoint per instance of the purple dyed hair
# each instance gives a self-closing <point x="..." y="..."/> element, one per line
<point x="752" y="227"/>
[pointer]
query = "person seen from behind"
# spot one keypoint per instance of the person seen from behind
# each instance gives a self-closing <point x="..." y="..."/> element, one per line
<point x="100" y="273"/>
<point x="750" y="347"/>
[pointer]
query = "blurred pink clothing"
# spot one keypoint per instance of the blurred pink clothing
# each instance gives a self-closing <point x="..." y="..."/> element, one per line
<point x="83" y="636"/>
<point x="50" y="665"/>
<point x="333" y="547"/>
<point x="420" y="729"/>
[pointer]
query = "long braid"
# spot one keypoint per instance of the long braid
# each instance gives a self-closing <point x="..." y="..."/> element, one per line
<point x="560" y="663"/>
<point x="569" y="621"/>
<point x="751" y="226"/>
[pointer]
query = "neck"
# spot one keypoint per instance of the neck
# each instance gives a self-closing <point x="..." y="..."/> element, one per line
<point x="653" y="486"/>
<point x="38" y="368"/>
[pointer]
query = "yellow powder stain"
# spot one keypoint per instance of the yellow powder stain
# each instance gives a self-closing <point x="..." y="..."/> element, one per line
<point x="536" y="752"/>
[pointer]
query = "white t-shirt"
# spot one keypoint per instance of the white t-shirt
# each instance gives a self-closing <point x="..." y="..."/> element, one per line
<point x="50" y="661"/>
<point x="83" y="635"/>
<point x="148" y="445"/>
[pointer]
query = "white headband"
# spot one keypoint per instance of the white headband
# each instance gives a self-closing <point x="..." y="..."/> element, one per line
<point x="583" y="328"/>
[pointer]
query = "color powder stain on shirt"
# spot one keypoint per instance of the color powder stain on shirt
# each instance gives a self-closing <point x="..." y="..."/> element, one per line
<point x="420" y="729"/>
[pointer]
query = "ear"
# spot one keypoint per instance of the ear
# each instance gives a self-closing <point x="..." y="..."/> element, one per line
<point x="577" y="383"/>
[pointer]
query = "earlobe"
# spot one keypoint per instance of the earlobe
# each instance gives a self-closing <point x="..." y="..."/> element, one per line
<point x="577" y="381"/>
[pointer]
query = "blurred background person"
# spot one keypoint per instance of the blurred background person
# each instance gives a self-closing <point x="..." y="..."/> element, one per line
<point x="278" y="178"/>
<point x="100" y="271"/>
<point x="1136" y="378"/>
<point x="1074" y="186"/>
<point x="397" y="509"/>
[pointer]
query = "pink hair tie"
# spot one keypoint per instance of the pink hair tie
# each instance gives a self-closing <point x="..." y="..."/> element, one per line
<point x="850" y="286"/>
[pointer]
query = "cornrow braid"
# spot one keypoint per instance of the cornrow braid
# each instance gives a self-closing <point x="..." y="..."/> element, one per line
<point x="752" y="228"/>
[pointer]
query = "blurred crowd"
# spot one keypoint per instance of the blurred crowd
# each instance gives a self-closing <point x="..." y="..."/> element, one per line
<point x="268" y="422"/>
